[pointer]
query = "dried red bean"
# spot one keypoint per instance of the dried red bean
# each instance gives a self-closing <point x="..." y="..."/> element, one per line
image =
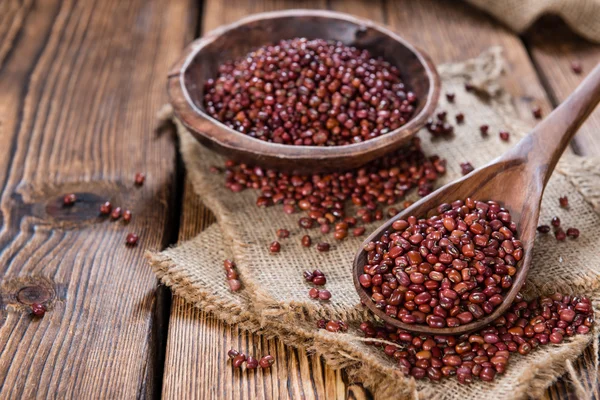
<point x="313" y="293"/>
<point x="450" y="97"/>
<point x="308" y="276"/>
<point x="340" y="234"/>
<point x="504" y="135"/>
<point x="466" y="168"/>
<point x="251" y="363"/>
<point x="266" y="361"/>
<point x="543" y="229"/>
<point x="323" y="246"/>
<point x="275" y="247"/>
<point x="309" y="92"/>
<point x="306" y="241"/>
<point x="460" y="118"/>
<point x="563" y="201"/>
<point x="39" y="310"/>
<point x="131" y="239"/>
<point x="439" y="126"/>
<point x="263" y="201"/>
<point x="484" y="130"/>
<point x="105" y="208"/>
<point x="283" y="233"/>
<point x="305" y="222"/>
<point x="560" y="235"/>
<point x="319" y="280"/>
<point x="233" y="353"/>
<point x="116" y="213"/>
<point x="238" y="361"/>
<point x="332" y="326"/>
<point x="576" y="67"/>
<point x="324" y="294"/>
<point x="139" y="179"/>
<point x="358" y="231"/>
<point x="318" y="272"/>
<point x="234" y="285"/>
<point x="556" y="337"/>
<point x="69" y="199"/>
<point x="573" y="233"/>
<point x="127" y="216"/>
<point x="537" y="112"/>
<point x="555" y="222"/>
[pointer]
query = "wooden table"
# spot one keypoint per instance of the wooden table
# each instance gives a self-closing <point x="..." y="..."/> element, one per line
<point x="80" y="83"/>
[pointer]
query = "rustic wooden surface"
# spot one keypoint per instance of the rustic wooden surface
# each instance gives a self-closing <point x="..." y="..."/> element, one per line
<point x="553" y="58"/>
<point x="80" y="82"/>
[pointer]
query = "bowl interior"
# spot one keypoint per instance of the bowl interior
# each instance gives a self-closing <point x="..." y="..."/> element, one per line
<point x="239" y="40"/>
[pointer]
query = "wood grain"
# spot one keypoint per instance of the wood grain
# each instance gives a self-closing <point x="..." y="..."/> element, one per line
<point x="80" y="82"/>
<point x="453" y="31"/>
<point x="553" y="47"/>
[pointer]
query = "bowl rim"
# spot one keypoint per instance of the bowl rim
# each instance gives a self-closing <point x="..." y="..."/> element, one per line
<point x="233" y="139"/>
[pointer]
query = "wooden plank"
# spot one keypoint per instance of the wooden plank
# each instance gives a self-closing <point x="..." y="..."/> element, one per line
<point x="80" y="82"/>
<point x="553" y="47"/>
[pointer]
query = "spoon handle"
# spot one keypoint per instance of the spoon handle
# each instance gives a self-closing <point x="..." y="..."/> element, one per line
<point x="544" y="145"/>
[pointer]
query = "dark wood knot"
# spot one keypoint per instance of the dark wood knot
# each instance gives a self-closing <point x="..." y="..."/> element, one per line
<point x="85" y="208"/>
<point x="19" y="293"/>
<point x="34" y="294"/>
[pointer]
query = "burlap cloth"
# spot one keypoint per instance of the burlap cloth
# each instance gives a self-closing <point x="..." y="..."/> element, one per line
<point x="582" y="16"/>
<point x="274" y="300"/>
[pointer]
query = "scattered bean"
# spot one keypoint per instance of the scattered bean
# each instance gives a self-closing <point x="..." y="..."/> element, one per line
<point x="275" y="247"/>
<point x="39" y="310"/>
<point x="131" y="239"/>
<point x="139" y="179"/>
<point x="69" y="199"/>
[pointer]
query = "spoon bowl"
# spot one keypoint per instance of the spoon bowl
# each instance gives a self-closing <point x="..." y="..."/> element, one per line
<point x="516" y="180"/>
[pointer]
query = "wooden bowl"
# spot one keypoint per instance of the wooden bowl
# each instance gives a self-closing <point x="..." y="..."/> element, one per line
<point x="202" y="58"/>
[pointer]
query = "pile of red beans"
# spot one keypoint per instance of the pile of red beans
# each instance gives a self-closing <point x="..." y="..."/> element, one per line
<point x="322" y="197"/>
<point x="485" y="353"/>
<point x="233" y="279"/>
<point x="447" y="270"/>
<point x="310" y="93"/>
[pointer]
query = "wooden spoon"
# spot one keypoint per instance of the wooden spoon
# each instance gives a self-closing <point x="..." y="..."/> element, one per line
<point x="516" y="180"/>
